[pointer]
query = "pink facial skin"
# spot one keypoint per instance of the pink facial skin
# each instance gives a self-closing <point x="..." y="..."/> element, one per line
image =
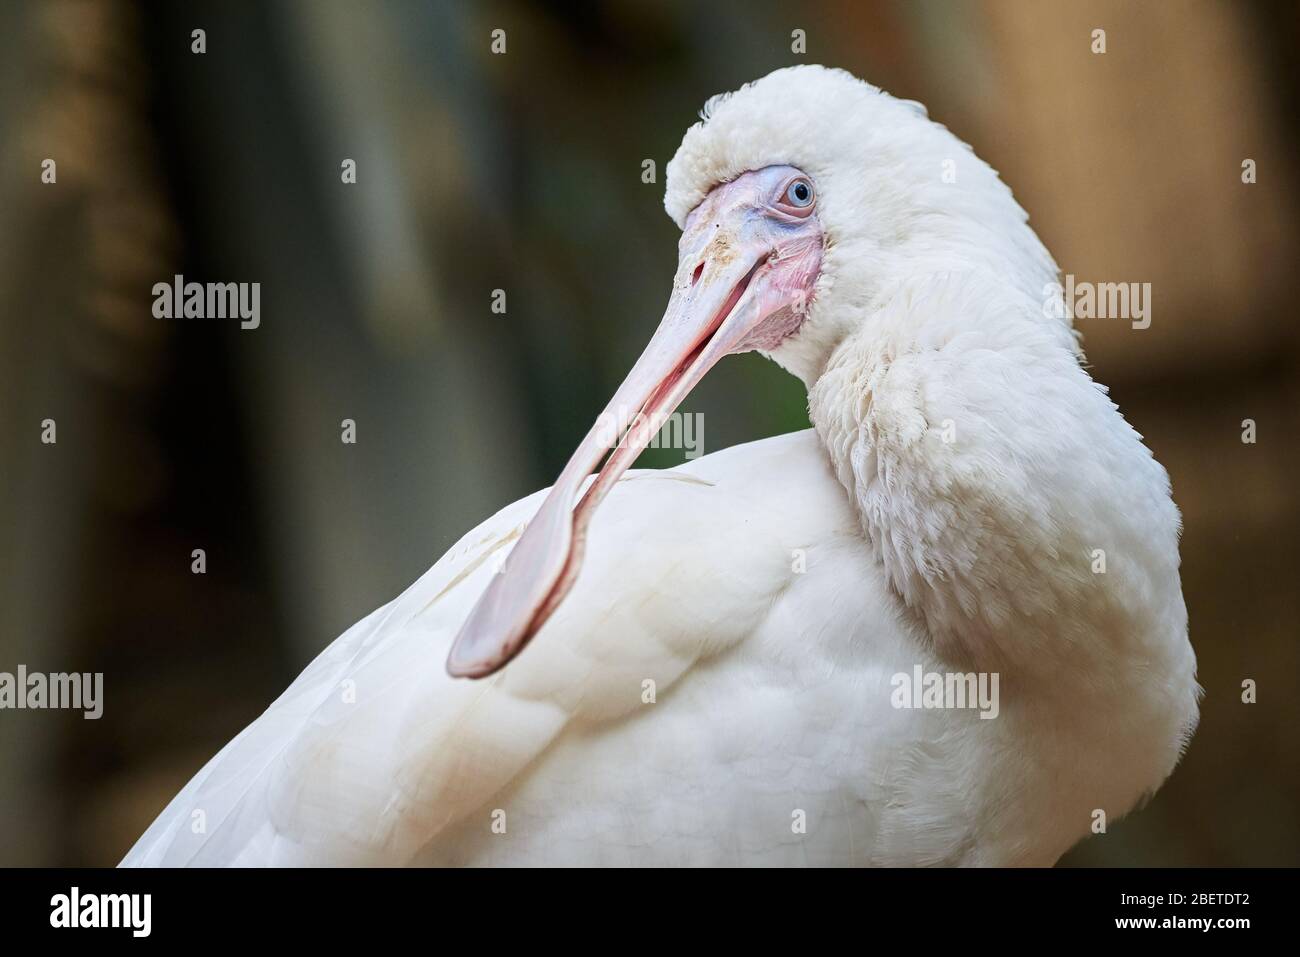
<point x="753" y="215"/>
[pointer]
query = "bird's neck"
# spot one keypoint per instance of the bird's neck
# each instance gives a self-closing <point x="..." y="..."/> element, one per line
<point x="1017" y="517"/>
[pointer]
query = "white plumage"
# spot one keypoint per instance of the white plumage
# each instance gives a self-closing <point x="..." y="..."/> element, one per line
<point x="945" y="511"/>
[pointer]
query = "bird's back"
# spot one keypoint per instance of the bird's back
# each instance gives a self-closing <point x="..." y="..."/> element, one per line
<point x="722" y="664"/>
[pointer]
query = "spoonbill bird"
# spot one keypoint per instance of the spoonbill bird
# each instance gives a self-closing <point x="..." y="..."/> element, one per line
<point x="772" y="654"/>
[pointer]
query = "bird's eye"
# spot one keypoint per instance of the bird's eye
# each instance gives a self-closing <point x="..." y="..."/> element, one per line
<point x="799" y="194"/>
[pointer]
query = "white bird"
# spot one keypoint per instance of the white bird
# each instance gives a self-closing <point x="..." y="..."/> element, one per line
<point x="724" y="651"/>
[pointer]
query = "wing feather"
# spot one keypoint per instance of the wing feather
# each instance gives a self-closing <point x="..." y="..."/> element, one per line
<point x="373" y="751"/>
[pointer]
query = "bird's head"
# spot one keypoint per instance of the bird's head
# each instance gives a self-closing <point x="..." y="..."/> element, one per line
<point x="801" y="198"/>
<point x="892" y="194"/>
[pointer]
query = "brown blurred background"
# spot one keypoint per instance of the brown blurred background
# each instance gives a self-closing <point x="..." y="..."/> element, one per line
<point x="523" y="172"/>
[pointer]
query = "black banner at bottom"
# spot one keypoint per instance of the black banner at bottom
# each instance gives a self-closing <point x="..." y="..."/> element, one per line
<point x="338" y="906"/>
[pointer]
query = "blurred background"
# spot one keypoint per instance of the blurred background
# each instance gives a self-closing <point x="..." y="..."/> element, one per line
<point x="523" y="172"/>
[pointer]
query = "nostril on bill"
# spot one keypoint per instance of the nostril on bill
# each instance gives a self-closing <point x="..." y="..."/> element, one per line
<point x="695" y="277"/>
